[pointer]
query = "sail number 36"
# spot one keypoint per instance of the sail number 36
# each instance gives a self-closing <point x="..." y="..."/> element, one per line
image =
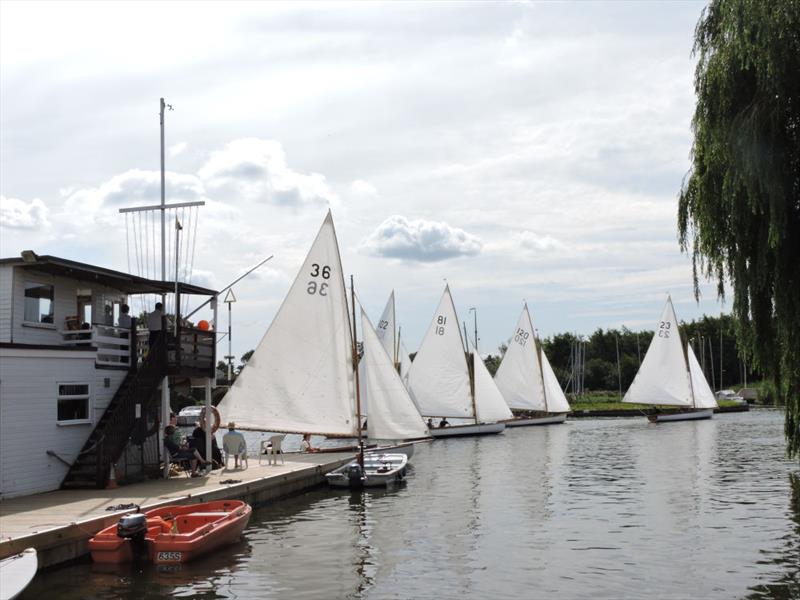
<point x="321" y="287"/>
<point x="439" y="327"/>
<point x="663" y="329"/>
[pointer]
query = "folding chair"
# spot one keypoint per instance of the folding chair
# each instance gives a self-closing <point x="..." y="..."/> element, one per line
<point x="272" y="447"/>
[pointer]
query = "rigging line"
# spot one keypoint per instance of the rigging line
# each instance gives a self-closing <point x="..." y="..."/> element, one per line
<point x="187" y="276"/>
<point x="127" y="242"/>
<point x="182" y="242"/>
<point x="194" y="241"/>
<point x="136" y="249"/>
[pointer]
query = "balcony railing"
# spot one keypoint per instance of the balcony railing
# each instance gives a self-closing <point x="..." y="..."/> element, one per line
<point x="113" y="344"/>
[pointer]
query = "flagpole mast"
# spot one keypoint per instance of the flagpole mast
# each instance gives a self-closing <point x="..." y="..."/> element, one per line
<point x="355" y="370"/>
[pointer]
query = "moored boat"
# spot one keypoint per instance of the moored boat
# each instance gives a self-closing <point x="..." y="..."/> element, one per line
<point x="378" y="470"/>
<point x="467" y="429"/>
<point x="171" y="534"/>
<point x="16" y="572"/>
<point x="543" y="419"/>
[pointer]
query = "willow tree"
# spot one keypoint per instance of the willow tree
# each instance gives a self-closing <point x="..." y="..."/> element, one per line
<point x="739" y="209"/>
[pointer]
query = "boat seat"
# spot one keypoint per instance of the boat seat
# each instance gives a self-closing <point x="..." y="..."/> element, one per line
<point x="272" y="447"/>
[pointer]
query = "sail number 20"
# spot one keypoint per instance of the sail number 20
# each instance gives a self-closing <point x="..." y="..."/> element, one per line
<point x="440" y="323"/>
<point x="663" y="329"/>
<point x="320" y="288"/>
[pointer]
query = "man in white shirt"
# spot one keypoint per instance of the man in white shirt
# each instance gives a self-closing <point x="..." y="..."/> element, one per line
<point x="154" y="323"/>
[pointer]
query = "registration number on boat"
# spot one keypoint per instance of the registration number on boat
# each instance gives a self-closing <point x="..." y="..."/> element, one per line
<point x="169" y="556"/>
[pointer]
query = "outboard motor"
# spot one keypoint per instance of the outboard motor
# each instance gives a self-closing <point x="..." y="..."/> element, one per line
<point x="134" y="528"/>
<point x="355" y="475"/>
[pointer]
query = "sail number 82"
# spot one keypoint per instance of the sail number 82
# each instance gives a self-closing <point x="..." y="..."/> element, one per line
<point x="321" y="287"/>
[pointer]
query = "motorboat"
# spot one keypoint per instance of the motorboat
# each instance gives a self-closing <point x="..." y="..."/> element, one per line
<point x="378" y="470"/>
<point x="189" y="415"/>
<point x="16" y="572"/>
<point x="171" y="534"/>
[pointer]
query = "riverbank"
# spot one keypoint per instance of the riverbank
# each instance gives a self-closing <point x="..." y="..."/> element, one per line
<point x="604" y="407"/>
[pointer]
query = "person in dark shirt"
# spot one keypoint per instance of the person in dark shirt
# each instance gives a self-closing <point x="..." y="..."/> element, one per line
<point x="182" y="453"/>
<point x="443" y="423"/>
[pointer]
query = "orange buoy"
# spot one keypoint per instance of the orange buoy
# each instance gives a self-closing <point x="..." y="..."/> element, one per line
<point x="203" y="325"/>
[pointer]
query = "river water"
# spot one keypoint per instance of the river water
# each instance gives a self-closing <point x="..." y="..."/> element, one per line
<point x="600" y="508"/>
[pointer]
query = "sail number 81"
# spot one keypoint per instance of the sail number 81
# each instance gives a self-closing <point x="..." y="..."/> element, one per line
<point x="320" y="288"/>
<point x="663" y="329"/>
<point x="440" y="322"/>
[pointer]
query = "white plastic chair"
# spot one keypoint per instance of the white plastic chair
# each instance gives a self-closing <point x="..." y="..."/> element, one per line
<point x="272" y="448"/>
<point x="234" y="445"/>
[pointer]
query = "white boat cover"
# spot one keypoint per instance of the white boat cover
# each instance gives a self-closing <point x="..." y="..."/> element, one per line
<point x="438" y="380"/>
<point x="663" y="377"/>
<point x="556" y="400"/>
<point x="300" y="377"/>
<point x="519" y="377"/>
<point x="489" y="404"/>
<point x="393" y="415"/>
<point x="386" y="328"/>
<point x="703" y="396"/>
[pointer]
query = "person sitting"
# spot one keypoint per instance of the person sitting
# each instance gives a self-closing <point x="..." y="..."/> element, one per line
<point x="306" y="446"/>
<point x="198" y="441"/>
<point x="234" y="444"/>
<point x="182" y="452"/>
<point x="430" y="423"/>
<point x="443" y="423"/>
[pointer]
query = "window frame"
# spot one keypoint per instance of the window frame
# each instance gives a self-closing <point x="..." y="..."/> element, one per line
<point x="87" y="397"/>
<point x="30" y="283"/>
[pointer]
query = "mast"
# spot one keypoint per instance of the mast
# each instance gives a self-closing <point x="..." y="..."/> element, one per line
<point x="471" y="371"/>
<point x="355" y="371"/>
<point x="688" y="369"/>
<point x="395" y="333"/>
<point x="538" y="357"/>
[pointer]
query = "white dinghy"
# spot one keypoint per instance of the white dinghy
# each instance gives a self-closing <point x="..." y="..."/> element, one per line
<point x="527" y="381"/>
<point x="671" y="376"/>
<point x="445" y="384"/>
<point x="16" y="573"/>
<point x="302" y="376"/>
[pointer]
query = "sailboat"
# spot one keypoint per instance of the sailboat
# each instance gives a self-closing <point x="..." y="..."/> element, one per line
<point x="301" y="377"/>
<point x="527" y="381"/>
<point x="391" y="338"/>
<point x="445" y="382"/>
<point x="671" y="376"/>
<point x="393" y="416"/>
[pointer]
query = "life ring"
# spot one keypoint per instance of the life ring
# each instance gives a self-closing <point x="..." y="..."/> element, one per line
<point x="217" y="419"/>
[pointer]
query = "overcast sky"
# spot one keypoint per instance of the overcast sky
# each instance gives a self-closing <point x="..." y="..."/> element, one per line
<point x="520" y="150"/>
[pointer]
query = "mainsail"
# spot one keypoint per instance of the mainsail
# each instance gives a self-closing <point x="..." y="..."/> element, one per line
<point x="393" y="415"/>
<point x="386" y="329"/>
<point x="519" y="376"/>
<point x="438" y="380"/>
<point x="300" y="377"/>
<point x="663" y="377"/>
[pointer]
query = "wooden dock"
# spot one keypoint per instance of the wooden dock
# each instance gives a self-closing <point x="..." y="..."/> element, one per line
<point x="59" y="524"/>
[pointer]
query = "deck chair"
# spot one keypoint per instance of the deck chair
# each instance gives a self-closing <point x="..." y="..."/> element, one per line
<point x="234" y="445"/>
<point x="272" y="448"/>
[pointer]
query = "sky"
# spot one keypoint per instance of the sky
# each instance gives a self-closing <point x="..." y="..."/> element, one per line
<point x="520" y="151"/>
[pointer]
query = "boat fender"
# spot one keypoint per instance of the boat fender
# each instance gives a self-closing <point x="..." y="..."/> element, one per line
<point x="217" y="419"/>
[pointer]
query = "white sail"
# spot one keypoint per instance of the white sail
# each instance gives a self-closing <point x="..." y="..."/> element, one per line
<point x="393" y="415"/>
<point x="405" y="362"/>
<point x="519" y="377"/>
<point x="300" y="377"/>
<point x="556" y="400"/>
<point x="386" y="328"/>
<point x="489" y="403"/>
<point x="703" y="396"/>
<point x="663" y="377"/>
<point x="363" y="397"/>
<point x="439" y="378"/>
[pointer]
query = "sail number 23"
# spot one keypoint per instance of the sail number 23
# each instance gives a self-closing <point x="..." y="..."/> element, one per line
<point x="315" y="287"/>
<point x="663" y="329"/>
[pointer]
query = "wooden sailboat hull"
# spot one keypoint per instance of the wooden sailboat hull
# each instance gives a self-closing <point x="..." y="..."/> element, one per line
<point x="689" y="415"/>
<point x="406" y="448"/>
<point x="545" y="419"/>
<point x="16" y="572"/>
<point x="465" y="430"/>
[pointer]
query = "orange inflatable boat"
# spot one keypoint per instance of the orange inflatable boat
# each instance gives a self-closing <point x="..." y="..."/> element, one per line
<point x="171" y="534"/>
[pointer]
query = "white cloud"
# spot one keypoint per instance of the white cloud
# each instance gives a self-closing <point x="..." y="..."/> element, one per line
<point x="363" y="188"/>
<point x="420" y="240"/>
<point x="256" y="170"/>
<point x="19" y="214"/>
<point x="534" y="242"/>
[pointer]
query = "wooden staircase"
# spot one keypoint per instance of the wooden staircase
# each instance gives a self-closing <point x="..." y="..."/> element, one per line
<point x="113" y="432"/>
